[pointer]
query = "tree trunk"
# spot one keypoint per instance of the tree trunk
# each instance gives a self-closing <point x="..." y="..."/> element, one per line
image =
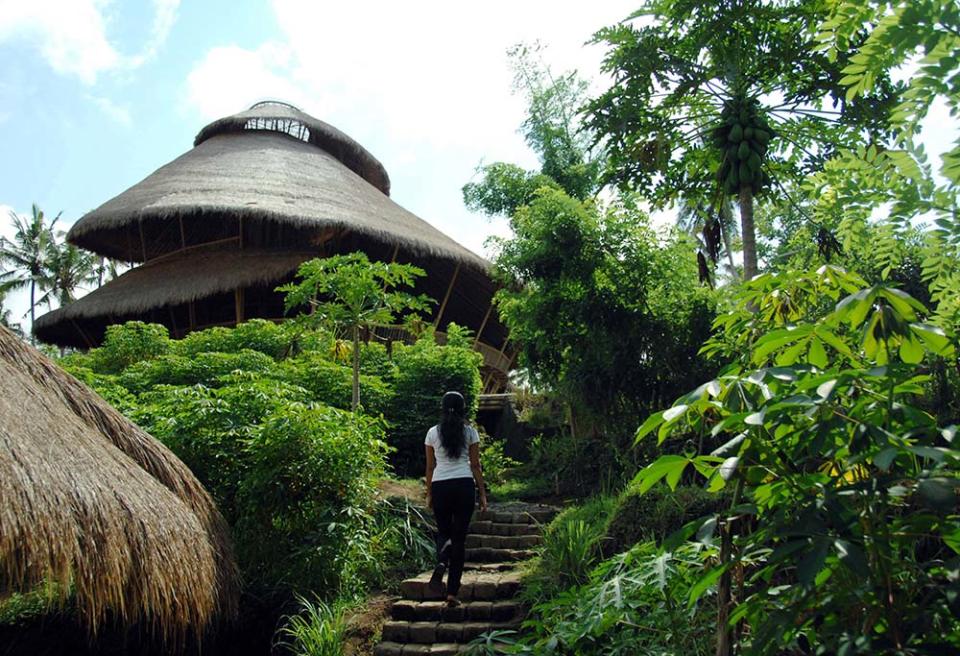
<point x="33" y="293"/>
<point x="725" y="218"/>
<point x="724" y="586"/>
<point x="724" y="634"/>
<point x="748" y="232"/>
<point x="355" y="403"/>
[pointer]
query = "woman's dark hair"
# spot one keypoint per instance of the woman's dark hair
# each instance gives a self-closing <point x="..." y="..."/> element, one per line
<point x="452" y="433"/>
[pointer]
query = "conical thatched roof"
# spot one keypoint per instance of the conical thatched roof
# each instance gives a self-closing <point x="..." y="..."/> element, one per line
<point x="254" y="167"/>
<point x="88" y="499"/>
<point x="168" y="281"/>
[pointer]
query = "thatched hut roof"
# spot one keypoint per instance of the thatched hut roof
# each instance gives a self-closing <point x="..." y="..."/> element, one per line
<point x="179" y="278"/>
<point x="88" y="499"/>
<point x="242" y="169"/>
<point x="282" y="117"/>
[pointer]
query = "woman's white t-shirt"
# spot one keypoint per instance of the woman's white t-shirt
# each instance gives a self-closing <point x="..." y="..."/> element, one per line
<point x="448" y="467"/>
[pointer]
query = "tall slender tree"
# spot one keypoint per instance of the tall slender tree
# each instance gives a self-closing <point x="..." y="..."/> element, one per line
<point x="26" y="258"/>
<point x="349" y="293"/>
<point x="730" y="101"/>
<point x="553" y="130"/>
<point x="69" y="268"/>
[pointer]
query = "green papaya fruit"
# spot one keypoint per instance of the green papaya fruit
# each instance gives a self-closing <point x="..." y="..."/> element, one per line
<point x="743" y="152"/>
<point x="736" y="133"/>
<point x="762" y="136"/>
<point x="748" y="132"/>
<point x="753" y="161"/>
<point x="744" y="171"/>
<point x="732" y="178"/>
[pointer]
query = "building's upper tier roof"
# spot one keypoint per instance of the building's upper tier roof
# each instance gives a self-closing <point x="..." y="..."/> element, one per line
<point x="282" y="117"/>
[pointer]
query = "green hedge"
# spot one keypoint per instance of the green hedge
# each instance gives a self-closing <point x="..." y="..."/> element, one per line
<point x="655" y="514"/>
<point x="424" y="371"/>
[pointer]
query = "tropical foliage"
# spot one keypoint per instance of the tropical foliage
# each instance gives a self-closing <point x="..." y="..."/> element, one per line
<point x="734" y="102"/>
<point x="261" y="414"/>
<point x="350" y="293"/>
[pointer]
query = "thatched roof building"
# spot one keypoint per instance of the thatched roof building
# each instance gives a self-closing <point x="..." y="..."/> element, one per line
<point x="88" y="499"/>
<point x="222" y="225"/>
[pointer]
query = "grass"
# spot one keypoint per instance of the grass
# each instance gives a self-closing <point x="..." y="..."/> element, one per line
<point x="521" y="483"/>
<point x="19" y="607"/>
<point x="318" y="629"/>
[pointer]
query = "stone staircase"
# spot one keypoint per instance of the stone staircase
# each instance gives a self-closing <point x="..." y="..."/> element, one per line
<point x="499" y="539"/>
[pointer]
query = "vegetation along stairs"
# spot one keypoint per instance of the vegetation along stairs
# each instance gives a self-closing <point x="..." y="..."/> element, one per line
<point x="498" y="541"/>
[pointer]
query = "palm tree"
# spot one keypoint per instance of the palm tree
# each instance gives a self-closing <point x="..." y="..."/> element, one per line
<point x="106" y="269"/>
<point x="28" y="254"/>
<point x="69" y="268"/>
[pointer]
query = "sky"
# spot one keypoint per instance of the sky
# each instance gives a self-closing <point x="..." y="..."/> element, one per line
<point x="97" y="94"/>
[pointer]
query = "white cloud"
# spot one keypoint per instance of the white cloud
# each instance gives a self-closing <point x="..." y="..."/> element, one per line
<point x="231" y="78"/>
<point x="71" y="35"/>
<point x="119" y="113"/>
<point x="426" y="86"/>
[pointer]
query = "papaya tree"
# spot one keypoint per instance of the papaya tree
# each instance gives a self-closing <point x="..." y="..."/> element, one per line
<point x="734" y="102"/>
<point x="350" y="293"/>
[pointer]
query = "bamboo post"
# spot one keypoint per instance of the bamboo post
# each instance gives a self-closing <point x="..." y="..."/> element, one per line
<point x="143" y="240"/>
<point x="192" y="314"/>
<point x="83" y="334"/>
<point x="238" y="302"/>
<point x="446" y="297"/>
<point x="183" y="234"/>
<point x="173" y="322"/>
<point x="483" y="324"/>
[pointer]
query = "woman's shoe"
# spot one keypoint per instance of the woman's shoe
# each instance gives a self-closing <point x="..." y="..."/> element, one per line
<point x="452" y="601"/>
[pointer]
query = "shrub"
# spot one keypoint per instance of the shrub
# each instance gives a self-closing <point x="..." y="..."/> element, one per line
<point x="258" y="335"/>
<point x="570" y="549"/>
<point x="493" y="461"/>
<point x="201" y="368"/>
<point x="396" y="539"/>
<point x="311" y="475"/>
<point x="635" y="603"/>
<point x="331" y="383"/>
<point x="128" y="343"/>
<point x="639" y="517"/>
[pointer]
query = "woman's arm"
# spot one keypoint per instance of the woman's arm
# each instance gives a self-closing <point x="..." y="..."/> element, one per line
<point x="478" y="473"/>
<point x="431" y="465"/>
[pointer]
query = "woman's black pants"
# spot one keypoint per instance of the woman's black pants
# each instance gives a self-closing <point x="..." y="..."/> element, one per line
<point x="453" y="501"/>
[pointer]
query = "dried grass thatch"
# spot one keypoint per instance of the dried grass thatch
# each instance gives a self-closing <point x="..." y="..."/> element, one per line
<point x="261" y="174"/>
<point x="280" y="116"/>
<point x="180" y="278"/>
<point x="89" y="500"/>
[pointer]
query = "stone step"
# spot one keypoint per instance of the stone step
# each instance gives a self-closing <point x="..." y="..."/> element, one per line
<point x="503" y="541"/>
<point x="526" y="515"/>
<point x="474" y="586"/>
<point x="497" y="528"/>
<point x="438" y="611"/>
<point x="488" y="567"/>
<point x="387" y="648"/>
<point x="445" y="632"/>
<point x="491" y="555"/>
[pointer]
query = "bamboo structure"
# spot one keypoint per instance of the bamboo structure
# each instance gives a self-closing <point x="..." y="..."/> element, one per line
<point x="220" y="227"/>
